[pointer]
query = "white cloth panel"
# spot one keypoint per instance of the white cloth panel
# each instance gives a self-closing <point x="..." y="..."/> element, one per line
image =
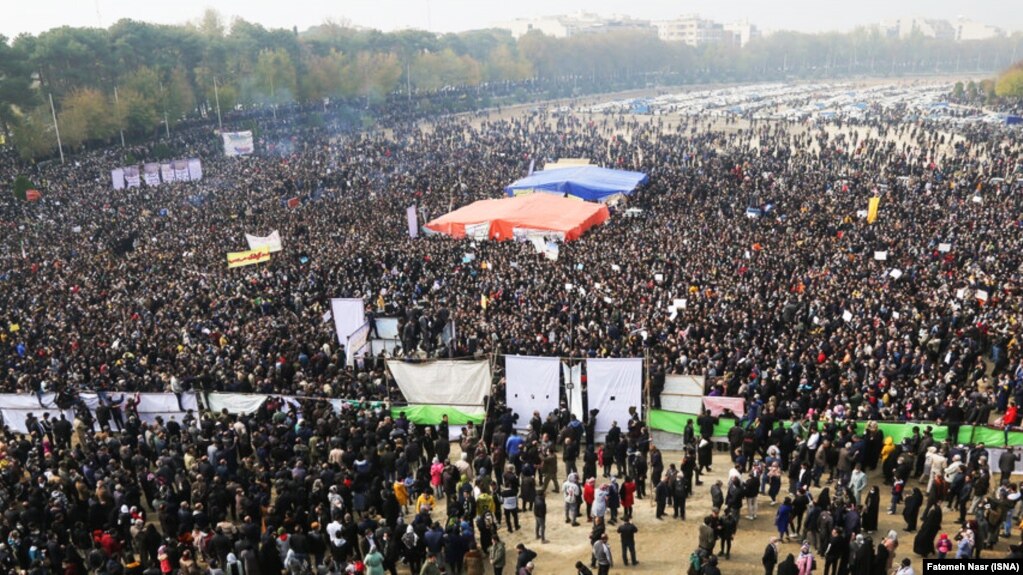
<point x="271" y="242"/>
<point x="349" y="314"/>
<point x="462" y="384"/>
<point x="15" y="407"/>
<point x="682" y="403"/>
<point x="532" y="385"/>
<point x="574" y="376"/>
<point x="684" y="384"/>
<point x="234" y="402"/>
<point x="613" y="386"/>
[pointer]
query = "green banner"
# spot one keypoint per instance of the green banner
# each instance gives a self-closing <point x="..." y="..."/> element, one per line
<point x="676" y="422"/>
<point x="431" y="415"/>
<point x="968" y="434"/>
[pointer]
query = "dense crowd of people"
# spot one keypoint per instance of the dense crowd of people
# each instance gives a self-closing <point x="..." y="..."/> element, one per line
<point x="127" y="290"/>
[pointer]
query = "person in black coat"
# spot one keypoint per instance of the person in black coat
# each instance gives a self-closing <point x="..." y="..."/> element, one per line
<point x="911" y="510"/>
<point x="770" y="558"/>
<point x="923" y="543"/>
<point x="788" y="566"/>
<point x="661" y="495"/>
<point x="871" y="507"/>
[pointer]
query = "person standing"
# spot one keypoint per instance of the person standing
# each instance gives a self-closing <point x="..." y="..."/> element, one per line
<point x="782" y="518"/>
<point x="602" y="555"/>
<point x="628" y="496"/>
<point x="707" y="535"/>
<point x="510" y="500"/>
<point x="661" y="496"/>
<point x="540" y="515"/>
<point x="570" y="490"/>
<point x="656" y="465"/>
<point x="497" y="555"/>
<point x="570" y="455"/>
<point x="679" y="492"/>
<point x="549" y="470"/>
<point x="430" y="567"/>
<point x="770" y="558"/>
<point x="1007" y="463"/>
<point x="726" y="532"/>
<point x="627" y="531"/>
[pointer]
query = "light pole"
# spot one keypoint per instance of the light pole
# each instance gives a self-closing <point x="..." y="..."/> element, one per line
<point x="216" y="95"/>
<point x="56" y="129"/>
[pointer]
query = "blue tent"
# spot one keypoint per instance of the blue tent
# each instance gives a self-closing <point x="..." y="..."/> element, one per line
<point x="587" y="182"/>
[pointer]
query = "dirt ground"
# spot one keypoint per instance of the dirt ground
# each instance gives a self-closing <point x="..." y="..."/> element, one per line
<point x="663" y="546"/>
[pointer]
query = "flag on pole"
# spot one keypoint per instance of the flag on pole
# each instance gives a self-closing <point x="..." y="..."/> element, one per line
<point x="872" y="206"/>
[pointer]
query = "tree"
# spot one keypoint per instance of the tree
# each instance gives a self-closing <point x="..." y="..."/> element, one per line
<point x="137" y="111"/>
<point x="1010" y="83"/>
<point x="33" y="135"/>
<point x="178" y="96"/>
<point x="87" y="114"/>
<point x="276" y="81"/>
<point x="15" y="84"/>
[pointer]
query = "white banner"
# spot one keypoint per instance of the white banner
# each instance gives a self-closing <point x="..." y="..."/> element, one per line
<point x="271" y="242"/>
<point x="683" y="394"/>
<point x="150" y="405"/>
<point x="181" y="170"/>
<point x="237" y="143"/>
<point x="477" y="232"/>
<point x="413" y="222"/>
<point x="992" y="461"/>
<point x="15" y="408"/>
<point x="117" y="175"/>
<point x="349" y="314"/>
<point x="613" y="386"/>
<point x="243" y="403"/>
<point x="194" y="169"/>
<point x="574" y="389"/>
<point x="151" y="174"/>
<point x="532" y="385"/>
<point x="718" y="405"/>
<point x="461" y="384"/>
<point x="356" y="343"/>
<point x="131" y="176"/>
<point x="684" y="384"/>
<point x="167" y="172"/>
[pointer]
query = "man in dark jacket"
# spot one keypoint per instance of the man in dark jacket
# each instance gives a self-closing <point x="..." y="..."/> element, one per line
<point x="628" y="531"/>
<point x="770" y="558"/>
<point x="661" y="496"/>
<point x="1007" y="463"/>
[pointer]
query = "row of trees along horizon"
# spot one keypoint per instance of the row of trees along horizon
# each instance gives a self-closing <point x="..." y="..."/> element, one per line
<point x="144" y="79"/>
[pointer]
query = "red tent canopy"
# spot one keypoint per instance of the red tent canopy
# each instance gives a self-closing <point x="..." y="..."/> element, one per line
<point x="537" y="211"/>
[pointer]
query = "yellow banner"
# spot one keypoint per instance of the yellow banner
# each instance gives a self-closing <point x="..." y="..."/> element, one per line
<point x="239" y="259"/>
<point x="872" y="206"/>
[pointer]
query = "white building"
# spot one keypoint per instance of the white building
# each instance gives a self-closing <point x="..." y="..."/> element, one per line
<point x="967" y="30"/>
<point x="572" y="25"/>
<point x="928" y="28"/>
<point x="692" y="30"/>
<point x="742" y="32"/>
<point x="961" y="30"/>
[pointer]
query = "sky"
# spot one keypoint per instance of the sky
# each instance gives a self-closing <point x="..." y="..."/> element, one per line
<point x="37" y="16"/>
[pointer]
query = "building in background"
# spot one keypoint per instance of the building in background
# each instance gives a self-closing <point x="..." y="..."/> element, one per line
<point x="692" y="30"/>
<point x="967" y="30"/>
<point x="569" y="25"/>
<point x="742" y="32"/>
<point x="961" y="30"/>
